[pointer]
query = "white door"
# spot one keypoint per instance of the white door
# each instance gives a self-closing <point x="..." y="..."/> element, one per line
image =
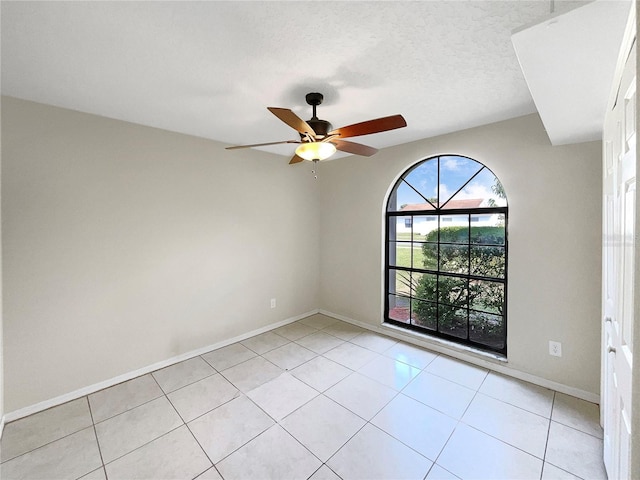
<point x="618" y="272"/>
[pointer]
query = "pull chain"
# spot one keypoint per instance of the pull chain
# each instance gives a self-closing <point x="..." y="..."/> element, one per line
<point x="313" y="172"/>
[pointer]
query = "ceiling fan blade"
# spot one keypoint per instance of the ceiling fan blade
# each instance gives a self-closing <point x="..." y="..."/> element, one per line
<point x="296" y="159"/>
<point x="293" y="120"/>
<point x="261" y="144"/>
<point x="371" y="126"/>
<point x="352" y="147"/>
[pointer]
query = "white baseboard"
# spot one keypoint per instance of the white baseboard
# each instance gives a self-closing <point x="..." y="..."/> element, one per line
<point x="1" y="426"/>
<point x="488" y="361"/>
<point x="67" y="397"/>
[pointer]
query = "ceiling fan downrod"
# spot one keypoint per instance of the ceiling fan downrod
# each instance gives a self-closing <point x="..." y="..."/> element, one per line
<point x="314" y="99"/>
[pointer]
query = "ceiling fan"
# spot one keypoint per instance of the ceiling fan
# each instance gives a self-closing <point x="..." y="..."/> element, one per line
<point x="318" y="139"/>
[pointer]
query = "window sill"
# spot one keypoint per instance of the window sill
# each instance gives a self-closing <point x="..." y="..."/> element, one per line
<point x="440" y="344"/>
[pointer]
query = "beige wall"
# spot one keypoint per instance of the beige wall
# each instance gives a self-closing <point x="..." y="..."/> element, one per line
<point x="126" y="245"/>
<point x="554" y="196"/>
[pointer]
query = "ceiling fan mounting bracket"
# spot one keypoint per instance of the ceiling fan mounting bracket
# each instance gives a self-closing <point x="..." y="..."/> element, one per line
<point x="314" y="98"/>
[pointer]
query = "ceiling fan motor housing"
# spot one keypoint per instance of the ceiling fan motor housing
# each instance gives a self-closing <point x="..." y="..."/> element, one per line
<point x="321" y="127"/>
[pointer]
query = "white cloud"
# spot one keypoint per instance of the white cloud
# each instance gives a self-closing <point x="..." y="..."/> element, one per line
<point x="470" y="191"/>
<point x="450" y="163"/>
<point x="476" y="191"/>
<point x="445" y="193"/>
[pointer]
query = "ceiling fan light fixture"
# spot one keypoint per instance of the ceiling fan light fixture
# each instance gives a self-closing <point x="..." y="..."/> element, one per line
<point x="315" y="150"/>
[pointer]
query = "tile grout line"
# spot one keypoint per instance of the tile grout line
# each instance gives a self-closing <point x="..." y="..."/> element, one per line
<point x="332" y="470"/>
<point x="213" y="465"/>
<point x="299" y="442"/>
<point x="296" y="366"/>
<point x="240" y="394"/>
<point x="221" y="372"/>
<point x="245" y="443"/>
<point x="315" y="355"/>
<point x="501" y="440"/>
<point x="520" y="407"/>
<point x="478" y="392"/>
<point x="567" y="471"/>
<point x="160" y="436"/>
<point x="240" y="390"/>
<point x="215" y="371"/>
<point x="435" y="462"/>
<point x="95" y="433"/>
<point x="275" y="422"/>
<point x="278" y="422"/>
<point x="166" y="396"/>
<point x="546" y="443"/>
<point x="264" y="333"/>
<point x="366" y="422"/>
<point x="184" y="423"/>
<point x="44" y="444"/>
<point x="316" y="471"/>
<point x="144" y="444"/>
<point x="51" y="441"/>
<point x="577" y="430"/>
<point x="153" y="439"/>
<point x="130" y="408"/>
<point x="458" y="422"/>
<point x="397" y="439"/>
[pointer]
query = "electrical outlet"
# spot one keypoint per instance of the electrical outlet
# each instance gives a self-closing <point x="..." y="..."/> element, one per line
<point x="555" y="349"/>
<point x="273" y="303"/>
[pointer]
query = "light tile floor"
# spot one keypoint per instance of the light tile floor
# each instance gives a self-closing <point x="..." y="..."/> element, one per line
<point x="316" y="399"/>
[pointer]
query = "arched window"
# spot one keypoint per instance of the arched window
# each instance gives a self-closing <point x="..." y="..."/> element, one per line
<point x="446" y="256"/>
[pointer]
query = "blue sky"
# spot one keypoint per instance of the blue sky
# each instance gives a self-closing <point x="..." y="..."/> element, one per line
<point x="454" y="172"/>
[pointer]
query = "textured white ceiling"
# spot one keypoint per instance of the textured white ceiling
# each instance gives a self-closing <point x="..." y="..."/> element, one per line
<point x="210" y="69"/>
